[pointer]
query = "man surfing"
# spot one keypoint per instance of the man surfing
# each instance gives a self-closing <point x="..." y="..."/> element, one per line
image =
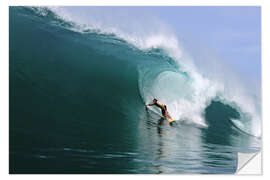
<point x="163" y="110"/>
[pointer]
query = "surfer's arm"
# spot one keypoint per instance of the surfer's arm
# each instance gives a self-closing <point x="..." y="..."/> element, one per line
<point x="150" y="104"/>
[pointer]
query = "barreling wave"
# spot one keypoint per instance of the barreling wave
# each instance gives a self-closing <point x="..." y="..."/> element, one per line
<point x="168" y="74"/>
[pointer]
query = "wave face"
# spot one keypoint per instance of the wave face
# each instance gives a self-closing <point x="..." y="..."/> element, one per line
<point x="77" y="96"/>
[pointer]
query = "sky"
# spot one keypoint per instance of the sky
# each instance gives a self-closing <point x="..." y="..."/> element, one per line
<point x="234" y="33"/>
<point x="229" y="34"/>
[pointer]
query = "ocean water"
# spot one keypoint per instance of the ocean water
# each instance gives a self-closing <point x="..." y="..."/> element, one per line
<point x="77" y="104"/>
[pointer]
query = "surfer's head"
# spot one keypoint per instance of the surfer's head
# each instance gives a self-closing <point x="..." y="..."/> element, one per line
<point x="154" y="100"/>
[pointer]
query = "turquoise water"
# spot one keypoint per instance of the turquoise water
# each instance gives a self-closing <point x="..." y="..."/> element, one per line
<point x="77" y="106"/>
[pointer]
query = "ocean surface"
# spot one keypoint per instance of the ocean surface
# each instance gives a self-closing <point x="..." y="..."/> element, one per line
<point x="77" y="100"/>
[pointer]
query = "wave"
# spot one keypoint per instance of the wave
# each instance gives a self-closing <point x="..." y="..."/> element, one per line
<point x="168" y="73"/>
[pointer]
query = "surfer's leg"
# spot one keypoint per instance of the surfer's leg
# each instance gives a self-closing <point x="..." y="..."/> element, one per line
<point x="160" y="121"/>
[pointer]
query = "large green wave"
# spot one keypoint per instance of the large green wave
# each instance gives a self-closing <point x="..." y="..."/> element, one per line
<point x="68" y="85"/>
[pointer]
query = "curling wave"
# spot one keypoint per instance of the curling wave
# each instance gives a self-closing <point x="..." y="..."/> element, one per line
<point x="165" y="72"/>
<point x="170" y="76"/>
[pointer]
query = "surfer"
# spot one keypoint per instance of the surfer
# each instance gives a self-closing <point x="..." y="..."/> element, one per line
<point x="163" y="108"/>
